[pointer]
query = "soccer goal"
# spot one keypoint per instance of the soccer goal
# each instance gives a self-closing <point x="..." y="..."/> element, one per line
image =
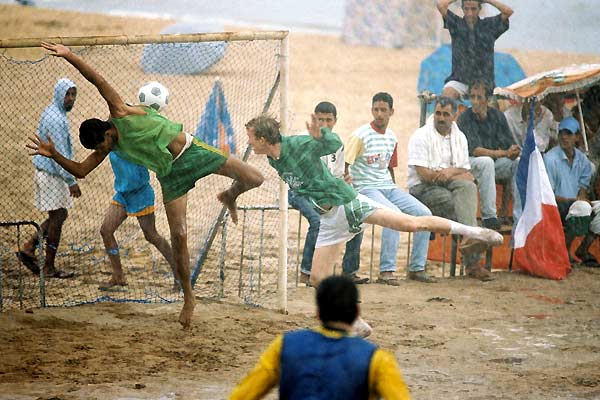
<point x="216" y="83"/>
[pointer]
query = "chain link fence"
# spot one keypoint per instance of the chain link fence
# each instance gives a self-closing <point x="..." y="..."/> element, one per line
<point x="241" y="260"/>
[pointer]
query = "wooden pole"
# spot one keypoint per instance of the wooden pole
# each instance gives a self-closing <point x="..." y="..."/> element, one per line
<point x="283" y="199"/>
<point x="146" y="39"/>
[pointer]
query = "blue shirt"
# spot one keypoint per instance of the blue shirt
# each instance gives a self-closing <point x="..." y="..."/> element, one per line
<point x="54" y="124"/>
<point x="566" y="180"/>
<point x="129" y="177"/>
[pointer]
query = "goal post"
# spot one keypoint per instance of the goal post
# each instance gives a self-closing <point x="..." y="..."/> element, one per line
<point x="252" y="70"/>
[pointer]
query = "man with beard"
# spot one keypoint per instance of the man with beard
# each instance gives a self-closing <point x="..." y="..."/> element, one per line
<point x="54" y="186"/>
<point x="439" y="175"/>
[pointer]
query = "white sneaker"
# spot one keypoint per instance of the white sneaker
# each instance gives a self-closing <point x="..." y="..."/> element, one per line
<point x="360" y="328"/>
<point x="490" y="237"/>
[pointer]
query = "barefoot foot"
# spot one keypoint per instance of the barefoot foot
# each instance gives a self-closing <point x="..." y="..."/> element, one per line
<point x="228" y="201"/>
<point x="185" y="317"/>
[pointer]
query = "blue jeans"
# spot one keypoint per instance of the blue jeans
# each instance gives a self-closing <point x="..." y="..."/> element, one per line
<point x="351" y="262"/>
<point x="398" y="200"/>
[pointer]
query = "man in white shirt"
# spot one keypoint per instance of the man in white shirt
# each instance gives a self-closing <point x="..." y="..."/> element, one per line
<point x="439" y="176"/>
<point x="545" y="129"/>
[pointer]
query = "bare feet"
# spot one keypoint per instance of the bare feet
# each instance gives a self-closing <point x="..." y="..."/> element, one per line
<point x="185" y="317"/>
<point x="113" y="282"/>
<point x="228" y="201"/>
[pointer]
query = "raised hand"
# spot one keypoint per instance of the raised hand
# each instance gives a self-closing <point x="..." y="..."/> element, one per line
<point x="313" y="127"/>
<point x="55" y="49"/>
<point x="40" y="147"/>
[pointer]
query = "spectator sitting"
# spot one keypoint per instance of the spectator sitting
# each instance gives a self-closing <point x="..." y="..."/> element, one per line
<point x="570" y="171"/>
<point x="326" y="114"/>
<point x="439" y="176"/>
<point x="473" y="40"/>
<point x="544" y="129"/>
<point x="494" y="153"/>
<point x="371" y="155"/>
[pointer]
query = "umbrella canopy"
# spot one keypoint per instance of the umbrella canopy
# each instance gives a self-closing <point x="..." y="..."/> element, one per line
<point x="566" y="79"/>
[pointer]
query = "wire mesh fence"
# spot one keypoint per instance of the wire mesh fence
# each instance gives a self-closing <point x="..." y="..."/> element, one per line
<point x="242" y="260"/>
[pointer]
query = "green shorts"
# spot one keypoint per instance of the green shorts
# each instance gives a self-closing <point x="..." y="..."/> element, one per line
<point x="196" y="162"/>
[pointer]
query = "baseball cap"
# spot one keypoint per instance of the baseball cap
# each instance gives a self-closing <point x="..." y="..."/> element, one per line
<point x="570" y="124"/>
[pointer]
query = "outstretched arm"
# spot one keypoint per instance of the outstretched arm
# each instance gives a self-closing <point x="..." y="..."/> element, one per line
<point x="503" y="8"/>
<point x="116" y="105"/>
<point x="78" y="169"/>
<point x="442" y="6"/>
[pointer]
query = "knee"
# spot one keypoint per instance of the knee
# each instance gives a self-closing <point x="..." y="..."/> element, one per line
<point x="255" y="179"/>
<point x="150" y="235"/>
<point x="178" y="235"/>
<point x="487" y="163"/>
<point x="314" y="223"/>
<point x="105" y="232"/>
<point x="60" y="215"/>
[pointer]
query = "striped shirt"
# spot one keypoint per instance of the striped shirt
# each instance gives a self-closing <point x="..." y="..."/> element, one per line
<point x="370" y="154"/>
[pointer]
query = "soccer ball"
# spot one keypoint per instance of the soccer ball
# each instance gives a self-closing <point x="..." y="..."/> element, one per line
<point x="155" y="95"/>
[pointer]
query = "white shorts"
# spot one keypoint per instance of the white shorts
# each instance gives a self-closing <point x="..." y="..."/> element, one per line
<point x="51" y="192"/>
<point x="342" y="223"/>
<point x="461" y="88"/>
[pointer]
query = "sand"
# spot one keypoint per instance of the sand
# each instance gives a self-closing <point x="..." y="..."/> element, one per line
<point x="516" y="337"/>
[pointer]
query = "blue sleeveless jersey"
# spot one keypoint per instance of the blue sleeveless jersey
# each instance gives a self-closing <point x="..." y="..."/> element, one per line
<point x="129" y="177"/>
<point x="315" y="366"/>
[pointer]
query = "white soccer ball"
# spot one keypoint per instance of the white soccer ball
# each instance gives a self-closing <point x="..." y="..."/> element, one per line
<point x="155" y="95"/>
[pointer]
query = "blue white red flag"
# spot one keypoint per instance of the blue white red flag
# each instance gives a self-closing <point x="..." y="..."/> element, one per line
<point x="215" y="124"/>
<point x="539" y="240"/>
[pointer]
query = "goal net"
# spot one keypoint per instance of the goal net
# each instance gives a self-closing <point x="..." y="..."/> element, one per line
<point x="241" y="72"/>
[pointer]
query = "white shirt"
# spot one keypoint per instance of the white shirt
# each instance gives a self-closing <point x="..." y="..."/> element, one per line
<point x="544" y="127"/>
<point x="428" y="149"/>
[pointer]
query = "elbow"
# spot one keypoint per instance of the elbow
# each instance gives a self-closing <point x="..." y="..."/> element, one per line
<point x="508" y="12"/>
<point x="79" y="175"/>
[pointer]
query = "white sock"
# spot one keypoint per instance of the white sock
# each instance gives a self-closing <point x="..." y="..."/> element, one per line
<point x="457" y="228"/>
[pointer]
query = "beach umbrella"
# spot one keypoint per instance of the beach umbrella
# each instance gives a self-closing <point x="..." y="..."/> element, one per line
<point x="566" y="79"/>
<point x="215" y="127"/>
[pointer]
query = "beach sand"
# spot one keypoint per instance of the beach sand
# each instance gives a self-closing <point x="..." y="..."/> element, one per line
<point x="515" y="338"/>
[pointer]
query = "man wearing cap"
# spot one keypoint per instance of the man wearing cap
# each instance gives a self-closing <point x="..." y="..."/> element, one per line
<point x="473" y="40"/>
<point x="569" y="171"/>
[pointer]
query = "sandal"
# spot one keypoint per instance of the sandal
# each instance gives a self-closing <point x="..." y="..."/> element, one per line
<point x="28" y="261"/>
<point x="480" y="273"/>
<point x="393" y="281"/>
<point x="60" y="274"/>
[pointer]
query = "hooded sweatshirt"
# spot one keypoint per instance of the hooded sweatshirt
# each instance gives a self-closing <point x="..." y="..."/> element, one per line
<point x="54" y="124"/>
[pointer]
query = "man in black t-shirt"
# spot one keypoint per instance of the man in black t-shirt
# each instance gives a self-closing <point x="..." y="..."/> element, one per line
<point x="493" y="153"/>
<point x="473" y="40"/>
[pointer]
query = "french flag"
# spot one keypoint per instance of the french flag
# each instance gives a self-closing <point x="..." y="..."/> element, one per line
<point x="539" y="240"/>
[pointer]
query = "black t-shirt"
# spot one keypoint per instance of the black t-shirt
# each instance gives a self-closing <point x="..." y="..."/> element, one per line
<point x="473" y="51"/>
<point x="492" y="133"/>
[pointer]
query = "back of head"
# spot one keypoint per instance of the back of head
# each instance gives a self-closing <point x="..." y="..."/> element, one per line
<point x="385" y="97"/>
<point x="337" y="300"/>
<point x="326" y="107"/>
<point x="91" y="132"/>
<point x="266" y="127"/>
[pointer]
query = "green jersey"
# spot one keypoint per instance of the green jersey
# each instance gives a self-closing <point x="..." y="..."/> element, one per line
<point x="143" y="139"/>
<point x="300" y="166"/>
